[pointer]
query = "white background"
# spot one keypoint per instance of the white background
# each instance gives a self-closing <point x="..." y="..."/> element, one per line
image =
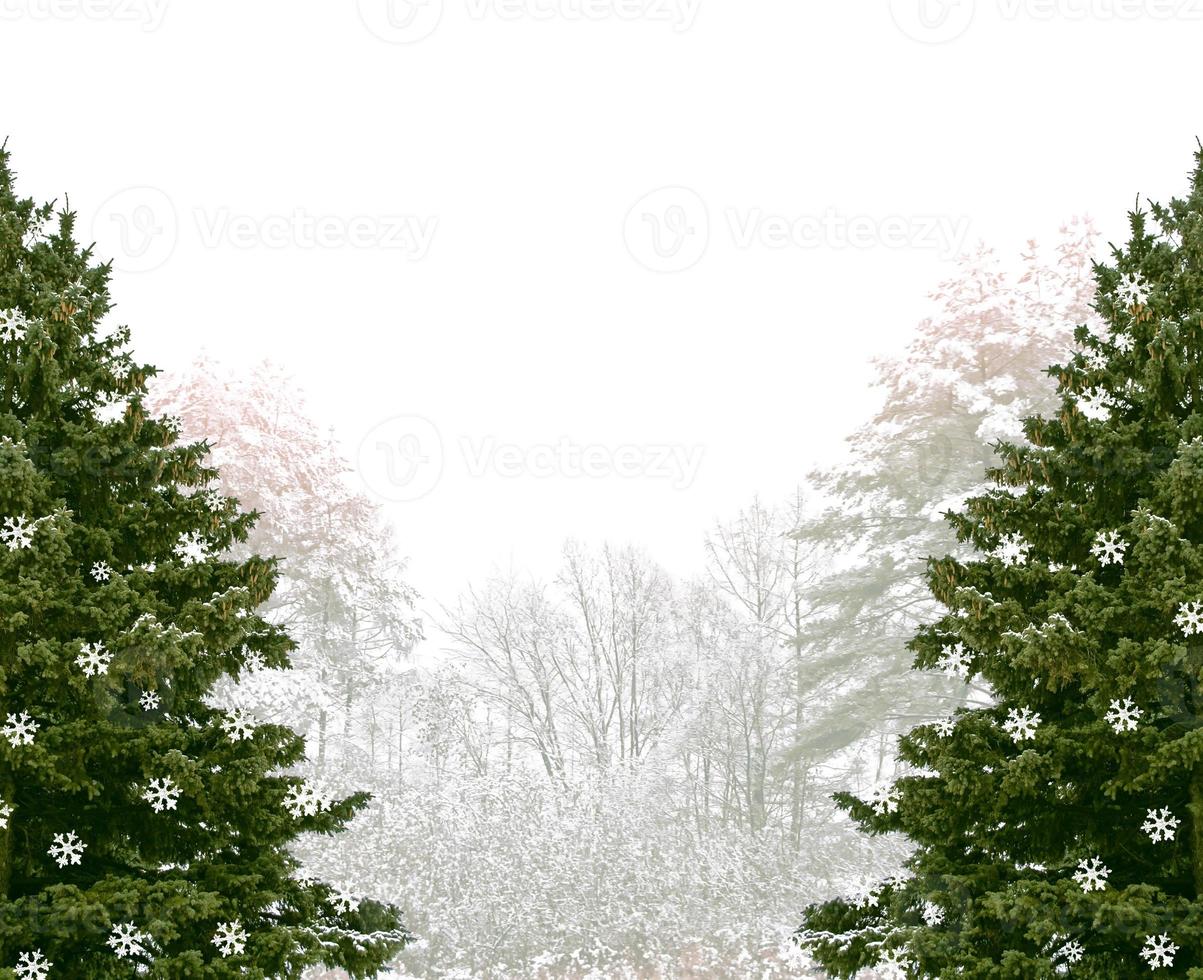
<point x="191" y="136"/>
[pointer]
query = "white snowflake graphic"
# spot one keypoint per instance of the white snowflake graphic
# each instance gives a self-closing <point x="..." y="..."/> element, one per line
<point x="1012" y="550"/>
<point x="17" y="533"/>
<point x="884" y="799"/>
<point x="1092" y="874"/>
<point x="1096" y="404"/>
<point x="239" y="725"/>
<point x="1109" y="548"/>
<point x="6" y="811"/>
<point x="1189" y="618"/>
<point x="954" y="660"/>
<point x="343" y="900"/>
<point x="230" y="939"/>
<point x="150" y="701"/>
<point x="19" y="729"/>
<point x="126" y="941"/>
<point x="1071" y="952"/>
<point x="213" y="499"/>
<point x="94" y="659"/>
<point x="1123" y="343"/>
<point x="1160" y="825"/>
<point x="1096" y="360"/>
<point x="1133" y="290"/>
<point x="1021" y="724"/>
<point x="893" y="965"/>
<point x="253" y="661"/>
<point x="102" y="571"/>
<point x="67" y="849"/>
<point x="162" y="794"/>
<point x="933" y="915"/>
<point x="1158" y="951"/>
<point x="191" y="549"/>
<point x="865" y="895"/>
<point x="1123" y="715"/>
<point x="944" y="728"/>
<point x="33" y="966"/>
<point x="12" y="325"/>
<point x="303" y="800"/>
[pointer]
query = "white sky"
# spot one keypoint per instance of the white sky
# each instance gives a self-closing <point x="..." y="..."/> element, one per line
<point x="525" y="134"/>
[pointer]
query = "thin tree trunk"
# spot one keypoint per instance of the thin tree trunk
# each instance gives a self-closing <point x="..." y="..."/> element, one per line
<point x="795" y="818"/>
<point x="509" y="737"/>
<point x="348" y="705"/>
<point x="372" y="736"/>
<point x="321" y="736"/>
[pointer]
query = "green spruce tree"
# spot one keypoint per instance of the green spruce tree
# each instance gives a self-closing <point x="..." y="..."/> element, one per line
<point x="142" y="831"/>
<point x="1059" y="829"/>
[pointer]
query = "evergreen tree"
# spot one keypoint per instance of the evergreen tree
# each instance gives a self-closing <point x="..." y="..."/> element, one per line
<point x="1059" y="829"/>
<point x="966" y="378"/>
<point x="142" y="830"/>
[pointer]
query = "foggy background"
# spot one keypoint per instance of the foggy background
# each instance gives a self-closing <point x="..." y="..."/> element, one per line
<point x="603" y="529"/>
<point x="521" y="135"/>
